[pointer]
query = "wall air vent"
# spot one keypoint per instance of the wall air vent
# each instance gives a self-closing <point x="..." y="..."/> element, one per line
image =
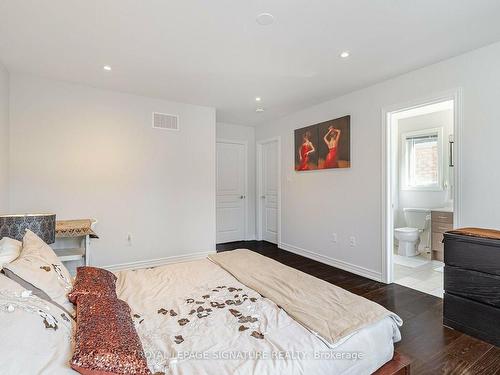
<point x="165" y="121"/>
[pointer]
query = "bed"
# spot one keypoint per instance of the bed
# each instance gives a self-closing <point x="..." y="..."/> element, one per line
<point x="215" y="341"/>
<point x="232" y="313"/>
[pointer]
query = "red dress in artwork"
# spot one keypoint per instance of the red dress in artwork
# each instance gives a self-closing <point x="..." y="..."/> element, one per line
<point x="304" y="166"/>
<point x="331" y="159"/>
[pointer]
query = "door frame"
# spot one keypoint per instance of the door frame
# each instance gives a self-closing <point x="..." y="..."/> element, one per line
<point x="245" y="193"/>
<point x="387" y="219"/>
<point x="258" y="203"/>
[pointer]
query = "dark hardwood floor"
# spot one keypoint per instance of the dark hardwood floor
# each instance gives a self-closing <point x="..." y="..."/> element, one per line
<point x="434" y="349"/>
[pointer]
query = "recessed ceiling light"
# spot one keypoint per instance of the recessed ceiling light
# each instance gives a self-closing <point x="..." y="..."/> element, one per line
<point x="345" y="54"/>
<point x="265" y="19"/>
<point x="107" y="68"/>
<point x="258" y="99"/>
<point x="259" y="110"/>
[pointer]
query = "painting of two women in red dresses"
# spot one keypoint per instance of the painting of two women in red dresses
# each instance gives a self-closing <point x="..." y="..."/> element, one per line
<point x="325" y="145"/>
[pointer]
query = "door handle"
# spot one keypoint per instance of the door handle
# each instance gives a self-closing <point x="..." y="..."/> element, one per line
<point x="263" y="197"/>
<point x="242" y="197"/>
<point x="451" y="143"/>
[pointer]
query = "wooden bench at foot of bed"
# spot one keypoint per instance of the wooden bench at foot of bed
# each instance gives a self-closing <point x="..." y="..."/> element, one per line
<point x="398" y="365"/>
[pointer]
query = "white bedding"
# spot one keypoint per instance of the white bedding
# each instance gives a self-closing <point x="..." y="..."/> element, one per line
<point x="36" y="335"/>
<point x="152" y="293"/>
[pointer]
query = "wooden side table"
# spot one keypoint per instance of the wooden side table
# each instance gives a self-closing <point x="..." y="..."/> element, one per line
<point x="72" y="244"/>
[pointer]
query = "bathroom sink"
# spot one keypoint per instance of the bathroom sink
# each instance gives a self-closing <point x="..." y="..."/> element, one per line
<point x="443" y="209"/>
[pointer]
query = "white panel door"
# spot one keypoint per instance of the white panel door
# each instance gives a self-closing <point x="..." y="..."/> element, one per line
<point x="269" y="192"/>
<point x="231" y="194"/>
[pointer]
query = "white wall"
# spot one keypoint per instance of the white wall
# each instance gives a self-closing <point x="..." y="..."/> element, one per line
<point x="4" y="139"/>
<point x="348" y="201"/>
<point x="247" y="134"/>
<point x="83" y="152"/>
<point x="426" y="198"/>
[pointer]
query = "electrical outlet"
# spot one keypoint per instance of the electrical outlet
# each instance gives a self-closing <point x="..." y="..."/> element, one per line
<point x="352" y="241"/>
<point x="334" y="238"/>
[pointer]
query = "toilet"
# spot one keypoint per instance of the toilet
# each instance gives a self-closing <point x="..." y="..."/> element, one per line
<point x="408" y="237"/>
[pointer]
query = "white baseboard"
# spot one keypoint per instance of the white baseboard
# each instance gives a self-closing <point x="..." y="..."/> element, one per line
<point x="247" y="238"/>
<point x="361" y="271"/>
<point x="158" y="262"/>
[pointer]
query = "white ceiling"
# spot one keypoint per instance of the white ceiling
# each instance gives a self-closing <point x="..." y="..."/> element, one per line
<point x="212" y="52"/>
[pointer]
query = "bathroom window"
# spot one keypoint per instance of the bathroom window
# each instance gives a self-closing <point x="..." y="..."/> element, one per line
<point x="422" y="160"/>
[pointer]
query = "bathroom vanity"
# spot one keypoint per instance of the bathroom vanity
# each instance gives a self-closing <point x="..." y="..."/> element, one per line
<point x="441" y="222"/>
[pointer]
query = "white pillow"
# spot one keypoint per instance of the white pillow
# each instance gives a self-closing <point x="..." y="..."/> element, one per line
<point x="39" y="266"/>
<point x="36" y="336"/>
<point x="9" y="250"/>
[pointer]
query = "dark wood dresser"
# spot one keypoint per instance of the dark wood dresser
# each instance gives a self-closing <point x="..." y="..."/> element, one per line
<point x="472" y="283"/>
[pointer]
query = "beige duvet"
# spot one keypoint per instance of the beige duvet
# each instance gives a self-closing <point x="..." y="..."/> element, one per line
<point x="331" y="312"/>
<point x="196" y="318"/>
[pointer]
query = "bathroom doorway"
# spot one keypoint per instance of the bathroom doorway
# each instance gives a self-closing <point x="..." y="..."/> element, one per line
<point x="421" y="185"/>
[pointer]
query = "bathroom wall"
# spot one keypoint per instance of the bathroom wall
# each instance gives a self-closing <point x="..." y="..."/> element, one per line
<point x="419" y="198"/>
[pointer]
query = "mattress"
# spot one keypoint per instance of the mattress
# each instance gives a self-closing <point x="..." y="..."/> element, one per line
<point x="196" y="318"/>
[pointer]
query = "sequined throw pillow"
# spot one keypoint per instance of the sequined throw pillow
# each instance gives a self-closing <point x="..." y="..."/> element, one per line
<point x="106" y="340"/>
<point x="93" y="281"/>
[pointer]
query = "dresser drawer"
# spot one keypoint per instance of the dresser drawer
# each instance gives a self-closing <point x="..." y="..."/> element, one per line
<point x="442" y="217"/>
<point x="471" y="317"/>
<point x="472" y="253"/>
<point x="478" y="286"/>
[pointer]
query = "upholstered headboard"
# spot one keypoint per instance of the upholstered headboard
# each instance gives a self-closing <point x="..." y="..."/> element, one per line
<point x="43" y="225"/>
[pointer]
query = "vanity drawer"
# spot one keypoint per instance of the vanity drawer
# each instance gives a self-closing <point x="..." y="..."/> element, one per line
<point x="437" y="242"/>
<point x="440" y="227"/>
<point x="442" y="217"/>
